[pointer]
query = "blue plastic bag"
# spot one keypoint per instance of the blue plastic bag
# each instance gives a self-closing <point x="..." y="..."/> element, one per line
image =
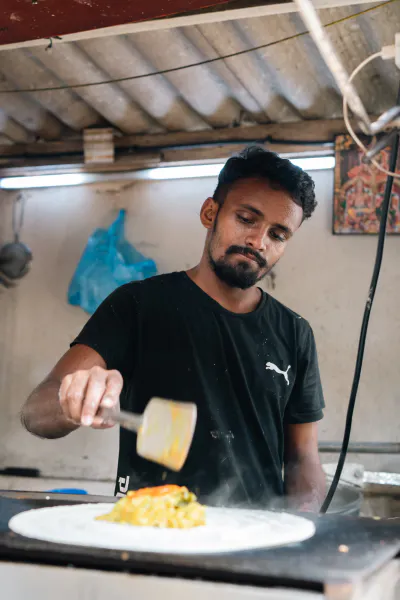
<point x="107" y="262"/>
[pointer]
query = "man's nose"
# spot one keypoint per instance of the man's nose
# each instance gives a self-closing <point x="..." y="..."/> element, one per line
<point x="258" y="240"/>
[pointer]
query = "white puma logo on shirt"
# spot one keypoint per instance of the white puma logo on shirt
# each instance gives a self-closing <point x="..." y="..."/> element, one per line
<point x="271" y="367"/>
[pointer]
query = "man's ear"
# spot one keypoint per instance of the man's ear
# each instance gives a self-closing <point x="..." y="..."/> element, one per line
<point x="208" y="213"/>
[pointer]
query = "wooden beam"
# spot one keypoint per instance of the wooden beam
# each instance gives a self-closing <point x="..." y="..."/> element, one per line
<point x="303" y="131"/>
<point x="33" y="19"/>
<point x="141" y="151"/>
<point x="205" y="16"/>
<point x="138" y="162"/>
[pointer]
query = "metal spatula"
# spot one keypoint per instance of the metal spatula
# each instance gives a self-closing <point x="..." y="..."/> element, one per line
<point x="164" y="431"/>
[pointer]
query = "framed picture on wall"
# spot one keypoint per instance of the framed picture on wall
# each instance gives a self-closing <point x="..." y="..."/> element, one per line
<point x="359" y="190"/>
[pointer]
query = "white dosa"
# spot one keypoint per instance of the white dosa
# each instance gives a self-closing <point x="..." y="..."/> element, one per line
<point x="227" y="530"/>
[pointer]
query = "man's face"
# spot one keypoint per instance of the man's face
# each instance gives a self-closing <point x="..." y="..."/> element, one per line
<point x="248" y="234"/>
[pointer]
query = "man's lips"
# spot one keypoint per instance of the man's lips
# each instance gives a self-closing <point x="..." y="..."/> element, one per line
<point x="251" y="257"/>
<point x="248" y="256"/>
<point x="248" y="253"/>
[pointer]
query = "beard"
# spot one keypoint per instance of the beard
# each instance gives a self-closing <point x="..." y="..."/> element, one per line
<point x="243" y="274"/>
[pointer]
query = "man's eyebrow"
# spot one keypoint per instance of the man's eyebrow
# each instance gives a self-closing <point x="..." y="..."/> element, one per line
<point x="252" y="209"/>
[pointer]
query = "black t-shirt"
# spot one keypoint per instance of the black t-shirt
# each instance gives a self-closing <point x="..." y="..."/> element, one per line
<point x="249" y="374"/>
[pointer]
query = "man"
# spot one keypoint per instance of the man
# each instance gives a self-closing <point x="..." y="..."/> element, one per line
<point x="212" y="337"/>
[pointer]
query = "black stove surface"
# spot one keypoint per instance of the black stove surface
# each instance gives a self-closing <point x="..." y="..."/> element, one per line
<point x="309" y="564"/>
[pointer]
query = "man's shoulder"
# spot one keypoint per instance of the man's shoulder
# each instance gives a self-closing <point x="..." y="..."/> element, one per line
<point x="287" y="313"/>
<point x="152" y="285"/>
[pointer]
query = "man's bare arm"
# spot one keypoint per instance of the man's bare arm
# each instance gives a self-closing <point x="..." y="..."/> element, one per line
<point x="305" y="481"/>
<point x="71" y="395"/>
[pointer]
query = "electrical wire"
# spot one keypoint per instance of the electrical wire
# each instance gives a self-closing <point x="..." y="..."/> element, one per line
<point x="347" y="120"/>
<point x="364" y="327"/>
<point x="196" y="64"/>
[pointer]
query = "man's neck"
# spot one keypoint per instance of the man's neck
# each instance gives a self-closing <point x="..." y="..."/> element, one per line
<point x="233" y="299"/>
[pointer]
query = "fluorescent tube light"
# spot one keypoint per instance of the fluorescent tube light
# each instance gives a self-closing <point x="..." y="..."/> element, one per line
<point x="161" y="173"/>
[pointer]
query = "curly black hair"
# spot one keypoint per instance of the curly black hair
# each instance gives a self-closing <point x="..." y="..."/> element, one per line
<point x="254" y="161"/>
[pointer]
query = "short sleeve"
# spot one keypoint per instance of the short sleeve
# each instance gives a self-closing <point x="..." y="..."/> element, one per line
<point x="110" y="330"/>
<point x="306" y="400"/>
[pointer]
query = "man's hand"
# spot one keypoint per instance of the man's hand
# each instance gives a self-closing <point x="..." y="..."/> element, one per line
<point x="72" y="394"/>
<point x="85" y="393"/>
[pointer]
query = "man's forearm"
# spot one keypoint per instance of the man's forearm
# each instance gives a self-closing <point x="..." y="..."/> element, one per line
<point x="305" y="484"/>
<point x="42" y="414"/>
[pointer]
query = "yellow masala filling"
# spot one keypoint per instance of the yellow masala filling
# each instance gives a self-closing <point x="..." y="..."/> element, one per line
<point x="164" y="506"/>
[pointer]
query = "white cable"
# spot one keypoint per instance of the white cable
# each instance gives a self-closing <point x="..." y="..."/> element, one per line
<point x="347" y="120"/>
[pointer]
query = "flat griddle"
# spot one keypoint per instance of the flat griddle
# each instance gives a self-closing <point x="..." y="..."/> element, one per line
<point x="309" y="565"/>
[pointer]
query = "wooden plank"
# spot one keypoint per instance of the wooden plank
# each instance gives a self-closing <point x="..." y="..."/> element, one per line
<point x="302" y="131"/>
<point x="140" y="161"/>
<point x="53" y="165"/>
<point x="143" y="151"/>
<point x="25" y="21"/>
<point x="228" y="11"/>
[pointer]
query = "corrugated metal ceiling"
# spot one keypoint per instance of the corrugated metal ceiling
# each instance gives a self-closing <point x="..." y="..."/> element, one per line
<point x="286" y="82"/>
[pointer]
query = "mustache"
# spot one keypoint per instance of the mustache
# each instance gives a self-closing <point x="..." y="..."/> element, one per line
<point x="262" y="263"/>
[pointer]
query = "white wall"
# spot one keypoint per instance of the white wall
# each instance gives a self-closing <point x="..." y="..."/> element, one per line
<point x="323" y="277"/>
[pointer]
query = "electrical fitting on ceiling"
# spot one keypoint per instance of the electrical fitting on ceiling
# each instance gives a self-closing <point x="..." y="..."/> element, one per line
<point x="389" y="122"/>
